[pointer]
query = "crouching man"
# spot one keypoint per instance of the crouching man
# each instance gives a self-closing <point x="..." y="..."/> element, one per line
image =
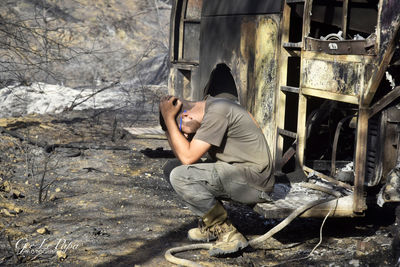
<point x="239" y="168"/>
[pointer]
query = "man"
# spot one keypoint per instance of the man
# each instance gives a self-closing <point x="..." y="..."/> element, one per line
<point x="239" y="170"/>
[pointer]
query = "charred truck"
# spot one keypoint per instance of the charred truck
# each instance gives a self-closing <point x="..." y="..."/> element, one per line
<point x="322" y="79"/>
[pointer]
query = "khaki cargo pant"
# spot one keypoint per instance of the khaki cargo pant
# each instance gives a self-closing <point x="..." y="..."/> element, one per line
<point x="201" y="185"/>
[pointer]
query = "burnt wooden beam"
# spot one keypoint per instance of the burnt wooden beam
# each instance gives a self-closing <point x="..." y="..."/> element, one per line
<point x="385" y="101"/>
<point x="378" y="73"/>
<point x="359" y="204"/>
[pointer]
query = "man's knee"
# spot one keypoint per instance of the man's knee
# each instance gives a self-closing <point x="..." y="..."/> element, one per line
<point x="177" y="176"/>
<point x="168" y="167"/>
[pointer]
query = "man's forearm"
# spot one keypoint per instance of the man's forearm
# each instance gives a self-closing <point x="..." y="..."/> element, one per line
<point x="179" y="144"/>
<point x="187" y="152"/>
<point x="170" y="142"/>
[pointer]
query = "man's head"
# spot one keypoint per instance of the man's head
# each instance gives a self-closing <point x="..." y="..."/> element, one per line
<point x="186" y="118"/>
<point x="189" y="116"/>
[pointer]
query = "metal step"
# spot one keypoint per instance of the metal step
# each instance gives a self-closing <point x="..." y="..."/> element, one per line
<point x="293" y="46"/>
<point x="290" y="89"/>
<point x="287" y="133"/>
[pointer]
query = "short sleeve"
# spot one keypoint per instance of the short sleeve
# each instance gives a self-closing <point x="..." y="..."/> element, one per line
<point x="213" y="128"/>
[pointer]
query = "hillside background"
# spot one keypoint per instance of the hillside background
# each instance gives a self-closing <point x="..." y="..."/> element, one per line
<point x="58" y="53"/>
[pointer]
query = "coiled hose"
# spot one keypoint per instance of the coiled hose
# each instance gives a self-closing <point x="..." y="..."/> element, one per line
<point x="256" y="242"/>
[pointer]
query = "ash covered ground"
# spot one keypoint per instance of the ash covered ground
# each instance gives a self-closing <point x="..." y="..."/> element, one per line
<point x="76" y="189"/>
<point x="104" y="202"/>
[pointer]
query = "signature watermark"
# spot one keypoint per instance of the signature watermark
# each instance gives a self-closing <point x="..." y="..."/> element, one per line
<point x="45" y="246"/>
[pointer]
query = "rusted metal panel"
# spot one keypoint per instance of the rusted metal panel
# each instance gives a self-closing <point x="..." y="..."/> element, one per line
<point x="220" y="45"/>
<point x="193" y="10"/>
<point x="265" y="74"/>
<point x="246" y="66"/>
<point x="335" y="75"/>
<point x="191" y="41"/>
<point x="344" y="47"/>
<point x="248" y="46"/>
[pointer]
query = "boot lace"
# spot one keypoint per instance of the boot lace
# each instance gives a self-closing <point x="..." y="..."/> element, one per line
<point x="205" y="230"/>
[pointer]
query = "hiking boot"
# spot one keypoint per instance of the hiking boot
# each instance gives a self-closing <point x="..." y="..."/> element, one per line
<point x="201" y="234"/>
<point x="230" y="240"/>
<point x="216" y="224"/>
<point x="216" y="215"/>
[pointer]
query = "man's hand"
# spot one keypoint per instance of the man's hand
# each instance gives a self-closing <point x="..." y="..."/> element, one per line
<point x="188" y="152"/>
<point x="169" y="107"/>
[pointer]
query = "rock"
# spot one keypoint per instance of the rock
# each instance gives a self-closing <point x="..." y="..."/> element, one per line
<point x="5" y="186"/>
<point x="6" y="212"/>
<point x="58" y="190"/>
<point x="355" y="263"/>
<point x="16" y="194"/>
<point x="18" y="210"/>
<point x="61" y="255"/>
<point x="43" y="231"/>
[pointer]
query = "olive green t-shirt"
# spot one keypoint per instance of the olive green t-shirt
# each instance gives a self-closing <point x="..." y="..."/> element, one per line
<point x="236" y="139"/>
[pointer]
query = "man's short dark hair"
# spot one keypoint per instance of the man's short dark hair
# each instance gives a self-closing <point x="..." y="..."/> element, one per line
<point x="186" y="105"/>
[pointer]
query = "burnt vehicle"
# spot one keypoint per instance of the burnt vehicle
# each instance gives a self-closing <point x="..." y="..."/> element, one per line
<point x="322" y="79"/>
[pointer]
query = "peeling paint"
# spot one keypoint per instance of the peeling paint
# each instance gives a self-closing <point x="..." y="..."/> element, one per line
<point x="265" y="75"/>
<point x="338" y="77"/>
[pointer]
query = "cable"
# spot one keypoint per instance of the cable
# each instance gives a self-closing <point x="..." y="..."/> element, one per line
<point x="256" y="242"/>
<point x="320" y="237"/>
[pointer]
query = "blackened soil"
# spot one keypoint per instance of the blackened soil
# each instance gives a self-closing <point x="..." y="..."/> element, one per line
<point x="110" y="207"/>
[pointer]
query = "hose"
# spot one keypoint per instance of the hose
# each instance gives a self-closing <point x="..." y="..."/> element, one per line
<point x="171" y="258"/>
<point x="255" y="243"/>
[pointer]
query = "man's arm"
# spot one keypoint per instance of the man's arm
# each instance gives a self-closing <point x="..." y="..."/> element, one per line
<point x="187" y="152"/>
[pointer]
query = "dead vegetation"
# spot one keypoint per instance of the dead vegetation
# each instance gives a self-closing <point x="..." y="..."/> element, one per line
<point x="98" y="206"/>
<point x="77" y="189"/>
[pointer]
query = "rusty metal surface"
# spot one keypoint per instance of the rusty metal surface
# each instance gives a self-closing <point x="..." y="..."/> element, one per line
<point x="244" y="36"/>
<point x="265" y="75"/>
<point x="247" y="45"/>
<point x="335" y="75"/>
<point x="241" y="7"/>
<point x="193" y="10"/>
<point x="333" y="47"/>
<point x="191" y="43"/>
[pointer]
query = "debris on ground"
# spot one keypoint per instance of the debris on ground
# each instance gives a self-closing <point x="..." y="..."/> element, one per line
<point x="91" y="204"/>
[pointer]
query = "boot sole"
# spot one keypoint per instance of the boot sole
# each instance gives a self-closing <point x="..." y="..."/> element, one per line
<point x="215" y="251"/>
<point x="201" y="240"/>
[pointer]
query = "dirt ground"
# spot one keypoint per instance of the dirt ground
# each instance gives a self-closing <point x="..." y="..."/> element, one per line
<point x="104" y="202"/>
